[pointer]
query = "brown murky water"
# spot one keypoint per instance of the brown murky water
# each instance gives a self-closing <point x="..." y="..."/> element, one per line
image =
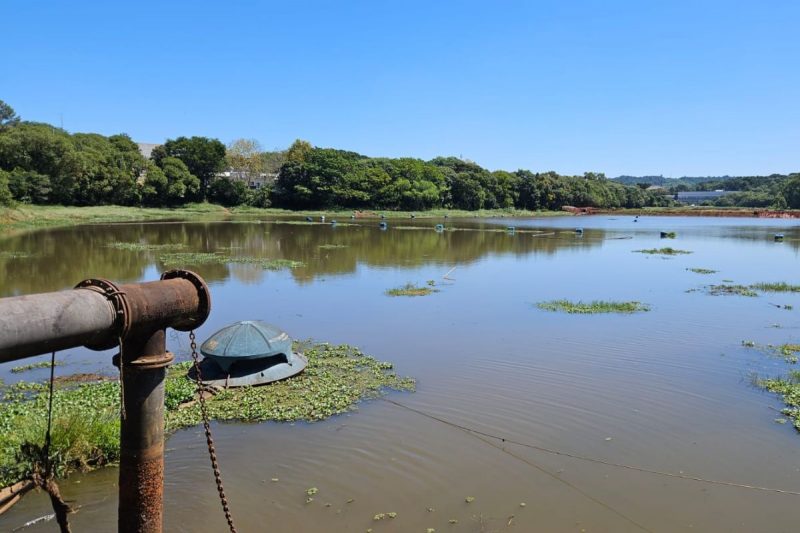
<point x="668" y="390"/>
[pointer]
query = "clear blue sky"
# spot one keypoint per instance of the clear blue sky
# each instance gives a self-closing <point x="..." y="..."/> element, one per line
<point x="618" y="86"/>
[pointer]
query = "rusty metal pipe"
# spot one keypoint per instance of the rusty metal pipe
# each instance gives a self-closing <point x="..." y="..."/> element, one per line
<point x="41" y="323"/>
<point x="100" y="314"/>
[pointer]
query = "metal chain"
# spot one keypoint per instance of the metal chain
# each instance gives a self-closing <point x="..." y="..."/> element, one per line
<point x="212" y="453"/>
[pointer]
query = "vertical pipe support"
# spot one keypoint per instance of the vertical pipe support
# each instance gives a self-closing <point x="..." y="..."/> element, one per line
<point x="143" y="365"/>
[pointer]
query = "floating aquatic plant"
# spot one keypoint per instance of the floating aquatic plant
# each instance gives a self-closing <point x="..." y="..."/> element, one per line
<point x="33" y="366"/>
<point x="204" y="258"/>
<point x="702" y="270"/>
<point x="663" y="251"/>
<point x="776" y="287"/>
<point x="410" y="289"/>
<point x="594" y="307"/>
<point x="145" y="247"/>
<point x="86" y="422"/>
<point x="724" y="290"/>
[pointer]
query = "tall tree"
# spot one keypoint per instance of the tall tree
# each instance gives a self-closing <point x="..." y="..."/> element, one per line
<point x="203" y="157"/>
<point x="244" y="159"/>
<point x="8" y="117"/>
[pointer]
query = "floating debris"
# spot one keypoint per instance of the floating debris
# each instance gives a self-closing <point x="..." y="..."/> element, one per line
<point x="668" y="234"/>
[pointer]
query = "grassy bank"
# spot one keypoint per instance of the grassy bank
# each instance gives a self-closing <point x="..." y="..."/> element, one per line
<point x="86" y="417"/>
<point x="28" y="217"/>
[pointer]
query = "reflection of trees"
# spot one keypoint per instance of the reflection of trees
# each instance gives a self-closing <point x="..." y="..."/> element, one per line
<point x="60" y="258"/>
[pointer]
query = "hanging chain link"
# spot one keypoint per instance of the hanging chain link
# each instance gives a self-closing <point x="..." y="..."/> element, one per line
<point x="212" y="453"/>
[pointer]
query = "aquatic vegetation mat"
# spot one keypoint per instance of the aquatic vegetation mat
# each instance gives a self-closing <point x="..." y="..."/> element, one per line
<point x="594" y="307"/>
<point x="410" y="289"/>
<point x="181" y="259"/>
<point x="34" y="366"/>
<point x="776" y="287"/>
<point x="145" y="247"/>
<point x="725" y="290"/>
<point x="86" y="417"/>
<point x="663" y="251"/>
<point x="789" y="390"/>
<point x="702" y="270"/>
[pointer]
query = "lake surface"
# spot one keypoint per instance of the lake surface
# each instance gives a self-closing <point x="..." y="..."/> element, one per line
<point x="666" y="390"/>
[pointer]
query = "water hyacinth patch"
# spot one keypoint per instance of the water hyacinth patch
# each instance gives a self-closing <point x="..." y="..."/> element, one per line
<point x="663" y="251"/>
<point x="594" y="307"/>
<point x="86" y="416"/>
<point x="410" y="289"/>
<point x="776" y="287"/>
<point x="174" y="260"/>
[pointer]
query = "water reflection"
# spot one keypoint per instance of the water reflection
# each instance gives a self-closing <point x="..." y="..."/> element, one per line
<point x="46" y="259"/>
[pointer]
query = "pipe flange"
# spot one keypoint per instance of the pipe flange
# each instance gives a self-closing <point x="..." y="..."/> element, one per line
<point x="122" y="321"/>
<point x="146" y="362"/>
<point x="203" y="294"/>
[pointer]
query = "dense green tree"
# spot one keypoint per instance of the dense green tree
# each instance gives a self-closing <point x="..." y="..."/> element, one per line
<point x="28" y="186"/>
<point x="203" y="156"/>
<point x="261" y="197"/>
<point x="791" y="192"/>
<point x="227" y="192"/>
<point x="5" y="194"/>
<point x="171" y="183"/>
<point x="8" y="117"/>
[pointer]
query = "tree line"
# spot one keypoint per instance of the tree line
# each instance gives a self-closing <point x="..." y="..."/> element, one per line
<point x="43" y="164"/>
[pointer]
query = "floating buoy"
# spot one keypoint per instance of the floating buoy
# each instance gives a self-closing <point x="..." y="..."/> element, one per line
<point x="383" y="225"/>
<point x="439" y="227"/>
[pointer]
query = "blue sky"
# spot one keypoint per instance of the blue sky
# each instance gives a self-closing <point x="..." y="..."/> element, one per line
<point x="616" y="86"/>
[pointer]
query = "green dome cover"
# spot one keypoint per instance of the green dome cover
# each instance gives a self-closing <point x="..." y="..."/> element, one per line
<point x="248" y="339"/>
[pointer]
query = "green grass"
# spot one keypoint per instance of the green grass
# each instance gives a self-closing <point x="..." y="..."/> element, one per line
<point x="725" y="290"/>
<point x="29" y="217"/>
<point x="776" y="287"/>
<point x="86" y="417"/>
<point x="702" y="270"/>
<point x="181" y="259"/>
<point x="32" y="366"/>
<point x="594" y="307"/>
<point x="663" y="251"/>
<point x="410" y="289"/>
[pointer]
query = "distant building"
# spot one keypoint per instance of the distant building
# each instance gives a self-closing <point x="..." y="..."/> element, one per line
<point x="146" y="149"/>
<point x="250" y="180"/>
<point x="696" y="197"/>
